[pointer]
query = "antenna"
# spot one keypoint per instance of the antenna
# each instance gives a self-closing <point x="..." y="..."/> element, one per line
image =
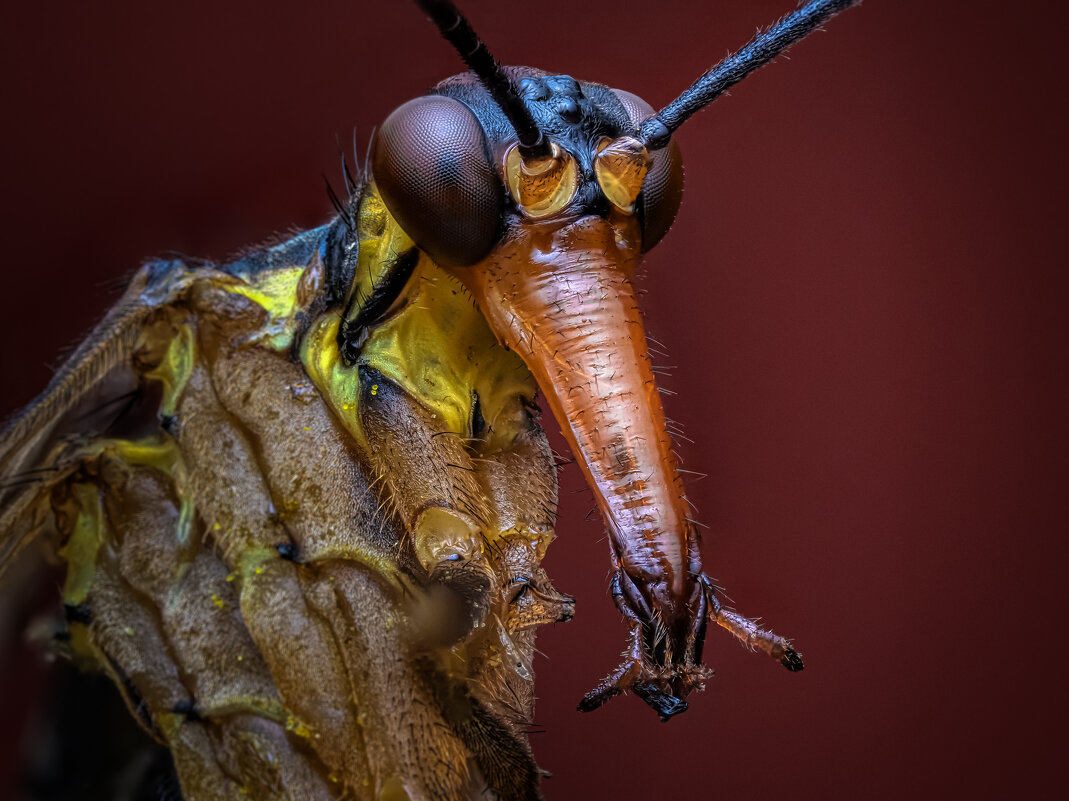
<point x="655" y="131"/>
<point x="458" y="32"/>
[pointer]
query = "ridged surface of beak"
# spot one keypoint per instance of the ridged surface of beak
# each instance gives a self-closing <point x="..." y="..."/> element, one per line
<point x="562" y="298"/>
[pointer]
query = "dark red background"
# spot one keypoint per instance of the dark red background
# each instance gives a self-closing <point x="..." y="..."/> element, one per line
<point x="863" y="293"/>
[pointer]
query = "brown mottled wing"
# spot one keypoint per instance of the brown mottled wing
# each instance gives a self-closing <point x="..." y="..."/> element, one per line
<point x="89" y="392"/>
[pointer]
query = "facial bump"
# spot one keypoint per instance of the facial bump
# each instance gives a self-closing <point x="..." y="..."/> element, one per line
<point x="534" y="89"/>
<point x="568" y="110"/>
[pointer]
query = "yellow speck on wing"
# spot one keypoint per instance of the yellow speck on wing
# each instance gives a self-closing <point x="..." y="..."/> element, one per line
<point x="241" y="658"/>
<point x="216" y="527"/>
<point x="258" y="571"/>
<point x="307" y="428"/>
<point x="374" y="389"/>
<point x="230" y="577"/>
<point x="217" y="600"/>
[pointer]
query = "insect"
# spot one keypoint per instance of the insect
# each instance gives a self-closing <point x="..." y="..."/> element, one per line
<point x="302" y="497"/>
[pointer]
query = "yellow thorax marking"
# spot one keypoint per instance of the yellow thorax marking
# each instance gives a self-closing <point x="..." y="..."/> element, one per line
<point x="436" y="346"/>
<point x="276" y="292"/>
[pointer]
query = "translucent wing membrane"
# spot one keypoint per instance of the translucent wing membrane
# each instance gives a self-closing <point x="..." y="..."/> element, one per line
<point x="92" y="389"/>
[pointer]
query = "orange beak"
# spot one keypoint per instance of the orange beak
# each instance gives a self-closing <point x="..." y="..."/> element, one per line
<point x="560" y="295"/>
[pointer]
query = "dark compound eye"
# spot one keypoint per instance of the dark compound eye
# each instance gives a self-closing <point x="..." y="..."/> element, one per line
<point x="431" y="164"/>
<point x="662" y="191"/>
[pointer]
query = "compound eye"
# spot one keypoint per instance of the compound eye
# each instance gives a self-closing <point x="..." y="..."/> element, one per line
<point x="662" y="189"/>
<point x="431" y="163"/>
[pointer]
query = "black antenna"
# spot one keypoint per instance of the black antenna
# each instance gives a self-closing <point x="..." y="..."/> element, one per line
<point x="458" y="32"/>
<point x="765" y="46"/>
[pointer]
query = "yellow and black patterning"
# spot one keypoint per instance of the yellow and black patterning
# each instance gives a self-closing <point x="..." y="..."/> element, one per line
<point x="302" y="497"/>
<point x="309" y="580"/>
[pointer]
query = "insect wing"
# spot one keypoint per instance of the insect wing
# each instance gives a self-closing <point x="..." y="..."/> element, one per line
<point x="92" y="390"/>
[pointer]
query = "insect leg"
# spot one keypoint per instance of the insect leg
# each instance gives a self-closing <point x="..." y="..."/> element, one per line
<point x="521" y="480"/>
<point x="232" y="714"/>
<point x="387" y="659"/>
<point x="317" y="487"/>
<point x="227" y="487"/>
<point x="235" y="697"/>
<point x="756" y="638"/>
<point x="117" y="629"/>
<point x="343" y="568"/>
<point x="430" y="481"/>
<point x="663" y="689"/>
<point x="475" y="522"/>
<point x="630" y="668"/>
<point x="263" y="753"/>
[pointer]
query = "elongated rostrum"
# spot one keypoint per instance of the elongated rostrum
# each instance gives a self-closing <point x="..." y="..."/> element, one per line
<point x="546" y="191"/>
<point x="302" y="497"/>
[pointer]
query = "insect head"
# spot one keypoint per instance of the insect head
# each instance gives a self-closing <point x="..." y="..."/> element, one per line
<point x="540" y="193"/>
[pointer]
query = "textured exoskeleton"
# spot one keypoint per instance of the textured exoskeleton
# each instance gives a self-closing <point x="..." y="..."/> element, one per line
<point x="308" y="583"/>
<point x="302" y="497"/>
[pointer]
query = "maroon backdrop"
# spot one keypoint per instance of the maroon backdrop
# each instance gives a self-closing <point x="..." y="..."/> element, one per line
<point x="862" y="293"/>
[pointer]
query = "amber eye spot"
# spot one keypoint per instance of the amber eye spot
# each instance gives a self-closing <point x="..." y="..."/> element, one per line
<point x="543" y="186"/>
<point x="430" y="162"/>
<point x="662" y="189"/>
<point x="621" y="166"/>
